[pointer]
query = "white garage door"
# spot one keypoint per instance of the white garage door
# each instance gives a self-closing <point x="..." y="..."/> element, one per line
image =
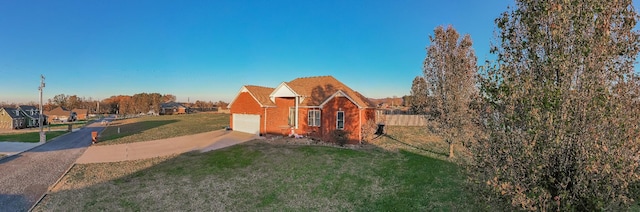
<point x="248" y="123"/>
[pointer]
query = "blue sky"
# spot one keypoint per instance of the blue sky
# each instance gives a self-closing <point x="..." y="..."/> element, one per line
<point x="206" y="50"/>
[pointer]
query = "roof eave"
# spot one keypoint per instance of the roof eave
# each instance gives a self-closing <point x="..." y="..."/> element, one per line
<point x="342" y="93"/>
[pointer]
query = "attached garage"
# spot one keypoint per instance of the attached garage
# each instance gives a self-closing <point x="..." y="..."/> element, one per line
<point x="248" y="123"/>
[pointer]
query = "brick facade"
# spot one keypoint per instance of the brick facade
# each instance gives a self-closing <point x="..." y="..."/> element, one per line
<point x="275" y="112"/>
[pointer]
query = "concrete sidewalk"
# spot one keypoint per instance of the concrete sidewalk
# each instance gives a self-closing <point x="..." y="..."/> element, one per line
<point x="142" y="150"/>
<point x="11" y="148"/>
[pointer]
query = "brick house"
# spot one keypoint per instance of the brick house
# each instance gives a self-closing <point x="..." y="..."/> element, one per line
<point x="173" y="108"/>
<point x="310" y="106"/>
<point x="59" y="114"/>
<point x="81" y="114"/>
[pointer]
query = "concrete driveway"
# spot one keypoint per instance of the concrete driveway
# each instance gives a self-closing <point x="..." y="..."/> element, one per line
<point x="26" y="176"/>
<point x="142" y="150"/>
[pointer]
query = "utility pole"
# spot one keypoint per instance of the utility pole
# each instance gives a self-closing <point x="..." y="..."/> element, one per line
<point x="43" y="137"/>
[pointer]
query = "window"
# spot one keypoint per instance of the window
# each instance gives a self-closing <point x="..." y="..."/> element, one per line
<point x="340" y="120"/>
<point x="292" y="116"/>
<point x="314" y="118"/>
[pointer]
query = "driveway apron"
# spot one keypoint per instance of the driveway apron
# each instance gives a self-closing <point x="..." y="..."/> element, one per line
<point x="25" y="177"/>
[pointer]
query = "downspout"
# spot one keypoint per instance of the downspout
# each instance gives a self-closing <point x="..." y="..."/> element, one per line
<point x="296" y="115"/>
<point x="265" y="120"/>
<point x="360" y="126"/>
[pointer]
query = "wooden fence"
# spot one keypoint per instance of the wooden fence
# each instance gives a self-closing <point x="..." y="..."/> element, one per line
<point x="402" y="120"/>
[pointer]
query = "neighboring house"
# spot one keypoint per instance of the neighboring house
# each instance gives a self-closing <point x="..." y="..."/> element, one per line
<point x="31" y="115"/>
<point x="81" y="114"/>
<point x="172" y="108"/>
<point x="11" y="118"/>
<point x="313" y="106"/>
<point x="59" y="114"/>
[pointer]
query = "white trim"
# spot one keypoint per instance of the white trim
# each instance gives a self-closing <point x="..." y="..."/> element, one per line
<point x="310" y="121"/>
<point x="360" y="125"/>
<point x="343" y="120"/>
<point x="340" y="93"/>
<point x="310" y="107"/>
<point x="278" y="92"/>
<point x="265" y="120"/>
<point x="297" y="111"/>
<point x="244" y="89"/>
<point x="288" y="92"/>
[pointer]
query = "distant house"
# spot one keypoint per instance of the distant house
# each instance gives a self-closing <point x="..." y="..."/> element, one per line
<point x="81" y="114"/>
<point x="59" y="114"/>
<point x="173" y="108"/>
<point x="11" y="118"/>
<point x="31" y="115"/>
<point x="314" y="106"/>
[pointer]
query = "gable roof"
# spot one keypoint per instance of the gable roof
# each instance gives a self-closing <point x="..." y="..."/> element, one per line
<point x="261" y="94"/>
<point x="317" y="90"/>
<point x="171" y="105"/>
<point x="58" y="111"/>
<point x="314" y="92"/>
<point x="12" y="112"/>
<point x="26" y="109"/>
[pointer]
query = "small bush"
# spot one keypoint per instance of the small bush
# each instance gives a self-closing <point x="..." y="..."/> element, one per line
<point x="368" y="131"/>
<point x="340" y="137"/>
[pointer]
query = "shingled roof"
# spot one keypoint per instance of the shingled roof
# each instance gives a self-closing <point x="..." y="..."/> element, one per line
<point x="261" y="94"/>
<point x="12" y="112"/>
<point x="316" y="90"/>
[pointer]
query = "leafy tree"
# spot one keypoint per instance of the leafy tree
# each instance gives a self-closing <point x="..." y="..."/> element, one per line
<point x="418" y="102"/>
<point x="449" y="71"/>
<point x="561" y="114"/>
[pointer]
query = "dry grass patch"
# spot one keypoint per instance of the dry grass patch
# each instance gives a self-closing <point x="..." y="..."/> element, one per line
<point x="160" y="127"/>
<point x="257" y="176"/>
<point x="419" y="140"/>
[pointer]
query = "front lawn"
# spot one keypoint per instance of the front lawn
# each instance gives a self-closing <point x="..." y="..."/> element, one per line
<point x="30" y="137"/>
<point x="257" y="176"/>
<point x="159" y="127"/>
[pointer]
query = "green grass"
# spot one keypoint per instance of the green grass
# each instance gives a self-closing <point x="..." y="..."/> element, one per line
<point x="160" y="127"/>
<point x="77" y="124"/>
<point x="30" y="137"/>
<point x="256" y="176"/>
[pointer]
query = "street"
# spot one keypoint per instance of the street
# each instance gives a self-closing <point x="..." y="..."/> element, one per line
<point x="25" y="177"/>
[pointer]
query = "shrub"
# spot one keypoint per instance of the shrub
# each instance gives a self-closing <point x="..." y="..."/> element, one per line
<point x="340" y="137"/>
<point x="368" y="131"/>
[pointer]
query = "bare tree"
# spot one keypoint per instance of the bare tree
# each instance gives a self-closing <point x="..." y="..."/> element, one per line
<point x="222" y="105"/>
<point x="60" y="100"/>
<point x="449" y="71"/>
<point x="169" y="98"/>
<point x="561" y="113"/>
